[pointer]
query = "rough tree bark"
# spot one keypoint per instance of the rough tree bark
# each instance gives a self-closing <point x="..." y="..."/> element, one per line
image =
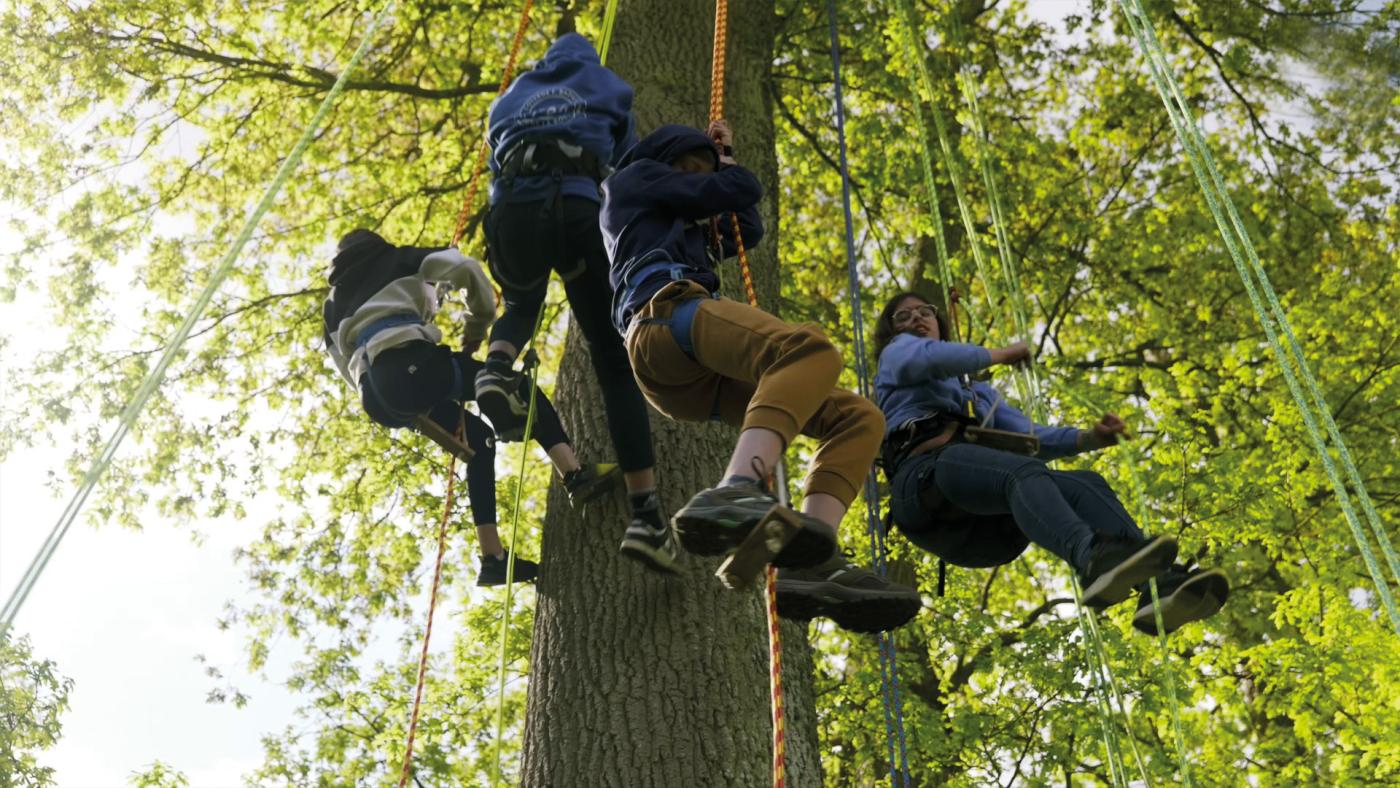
<point x="639" y="680"/>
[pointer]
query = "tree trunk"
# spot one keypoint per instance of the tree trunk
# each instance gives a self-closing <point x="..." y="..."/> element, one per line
<point x="640" y="680"/>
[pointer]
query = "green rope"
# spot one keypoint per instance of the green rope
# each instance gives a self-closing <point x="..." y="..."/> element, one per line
<point x="940" y="242"/>
<point x="173" y="346"/>
<point x="1094" y="647"/>
<point x="507" y="612"/>
<point x="1272" y="317"/>
<point x="1092" y="656"/>
<point x="950" y="157"/>
<point x="1170" y="676"/>
<point x="609" y="19"/>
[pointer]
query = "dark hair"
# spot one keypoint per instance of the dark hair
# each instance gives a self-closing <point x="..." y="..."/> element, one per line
<point x="357" y="236"/>
<point x="884" y="325"/>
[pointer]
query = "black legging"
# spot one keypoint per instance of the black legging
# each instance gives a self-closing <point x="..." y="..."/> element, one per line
<point x="419" y="378"/>
<point x="528" y="240"/>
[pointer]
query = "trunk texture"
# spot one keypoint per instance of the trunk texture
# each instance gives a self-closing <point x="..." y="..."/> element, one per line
<point x="640" y="680"/>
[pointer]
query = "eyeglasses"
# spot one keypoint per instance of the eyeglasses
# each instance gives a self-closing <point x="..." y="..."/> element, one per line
<point x="905" y="315"/>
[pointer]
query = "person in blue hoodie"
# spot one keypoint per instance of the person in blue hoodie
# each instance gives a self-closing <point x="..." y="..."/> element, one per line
<point x="378" y="328"/>
<point x="668" y="220"/>
<point x="555" y="135"/>
<point x="977" y="506"/>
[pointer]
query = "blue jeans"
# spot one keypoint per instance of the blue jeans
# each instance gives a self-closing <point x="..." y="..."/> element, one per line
<point x="1058" y="510"/>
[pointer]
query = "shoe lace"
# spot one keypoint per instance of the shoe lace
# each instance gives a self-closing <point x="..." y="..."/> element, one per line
<point x="760" y="472"/>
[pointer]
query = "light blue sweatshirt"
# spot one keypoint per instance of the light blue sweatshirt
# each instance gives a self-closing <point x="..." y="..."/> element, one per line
<point x="919" y="377"/>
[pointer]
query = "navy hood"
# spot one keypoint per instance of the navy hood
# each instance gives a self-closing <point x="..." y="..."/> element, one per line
<point x="668" y="143"/>
<point x="568" y="96"/>
<point x="570" y="47"/>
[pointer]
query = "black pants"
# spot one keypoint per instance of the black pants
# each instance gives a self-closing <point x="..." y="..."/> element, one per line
<point x="420" y="378"/>
<point x="529" y="240"/>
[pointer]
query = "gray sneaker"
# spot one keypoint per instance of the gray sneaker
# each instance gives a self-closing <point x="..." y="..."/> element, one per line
<point x="1186" y="596"/>
<point x="717" y="520"/>
<point x="1116" y="565"/>
<point x="857" y="599"/>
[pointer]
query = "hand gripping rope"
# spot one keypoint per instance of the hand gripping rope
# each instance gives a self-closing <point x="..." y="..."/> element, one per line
<point x="770" y="590"/>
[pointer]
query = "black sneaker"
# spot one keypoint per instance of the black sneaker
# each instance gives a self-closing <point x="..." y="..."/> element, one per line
<point x="1186" y="596"/>
<point x="716" y="520"/>
<point x="1117" y="564"/>
<point x="493" y="570"/>
<point x="591" y="482"/>
<point x="857" y="599"/>
<point x="498" y="396"/>
<point x="650" y="544"/>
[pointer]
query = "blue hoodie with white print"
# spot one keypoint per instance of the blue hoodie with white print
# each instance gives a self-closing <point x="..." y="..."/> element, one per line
<point x="569" y="95"/>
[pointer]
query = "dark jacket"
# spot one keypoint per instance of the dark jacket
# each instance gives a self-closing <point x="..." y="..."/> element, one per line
<point x="391" y="292"/>
<point x="654" y="213"/>
<point x="569" y="95"/>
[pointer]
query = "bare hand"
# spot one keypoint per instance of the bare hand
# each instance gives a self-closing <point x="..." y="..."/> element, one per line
<point x="1110" y="429"/>
<point x="720" y="133"/>
<point x="1014" y="353"/>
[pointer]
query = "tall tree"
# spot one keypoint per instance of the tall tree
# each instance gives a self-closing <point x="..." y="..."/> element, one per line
<point x="138" y="132"/>
<point x="644" y="680"/>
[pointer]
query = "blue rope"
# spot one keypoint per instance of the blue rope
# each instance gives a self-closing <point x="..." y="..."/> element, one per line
<point x="889" y="676"/>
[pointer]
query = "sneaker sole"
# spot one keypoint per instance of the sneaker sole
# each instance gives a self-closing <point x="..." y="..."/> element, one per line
<point x="720" y="530"/>
<point x="1198" y="598"/>
<point x="651" y="558"/>
<point x="854" y="610"/>
<point x="597" y="488"/>
<point x="1116" y="584"/>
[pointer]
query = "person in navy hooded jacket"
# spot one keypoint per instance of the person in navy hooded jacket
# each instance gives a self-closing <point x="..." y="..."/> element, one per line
<point x="978" y="506"/>
<point x="667" y="219"/>
<point x="555" y="135"/>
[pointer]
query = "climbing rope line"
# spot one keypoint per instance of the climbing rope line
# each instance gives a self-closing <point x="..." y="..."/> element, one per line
<point x="507" y="613"/>
<point x="1312" y="406"/>
<point x="1029" y="383"/>
<point x="1097" y="659"/>
<point x="156" y="376"/>
<point x="483" y="150"/>
<point x="472" y="185"/>
<point x="889" y="676"/>
<point x="770" y="575"/>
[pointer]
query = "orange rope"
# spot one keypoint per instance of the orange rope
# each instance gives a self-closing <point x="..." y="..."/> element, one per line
<point x="775" y="642"/>
<point x="428" y="633"/>
<point x="472" y="186"/>
<point x="717" y="63"/>
<point x="484" y="149"/>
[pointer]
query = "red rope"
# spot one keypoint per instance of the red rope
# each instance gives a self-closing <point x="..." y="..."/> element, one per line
<point x="472" y="186"/>
<point x="775" y="641"/>
<point x="428" y="632"/>
<point x="484" y="149"/>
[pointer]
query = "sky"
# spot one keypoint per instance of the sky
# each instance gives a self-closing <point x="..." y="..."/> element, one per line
<point x="124" y="613"/>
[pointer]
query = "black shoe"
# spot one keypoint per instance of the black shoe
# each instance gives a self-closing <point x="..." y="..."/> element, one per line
<point x="857" y="599"/>
<point x="493" y="570"/>
<point x="498" y="396"/>
<point x="716" y="520"/>
<point x="650" y="544"/>
<point x="591" y="482"/>
<point x="1117" y="564"/>
<point x="1185" y="596"/>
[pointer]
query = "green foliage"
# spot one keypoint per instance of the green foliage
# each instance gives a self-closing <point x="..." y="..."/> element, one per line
<point x="158" y="775"/>
<point x="32" y="698"/>
<point x="1135" y="308"/>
